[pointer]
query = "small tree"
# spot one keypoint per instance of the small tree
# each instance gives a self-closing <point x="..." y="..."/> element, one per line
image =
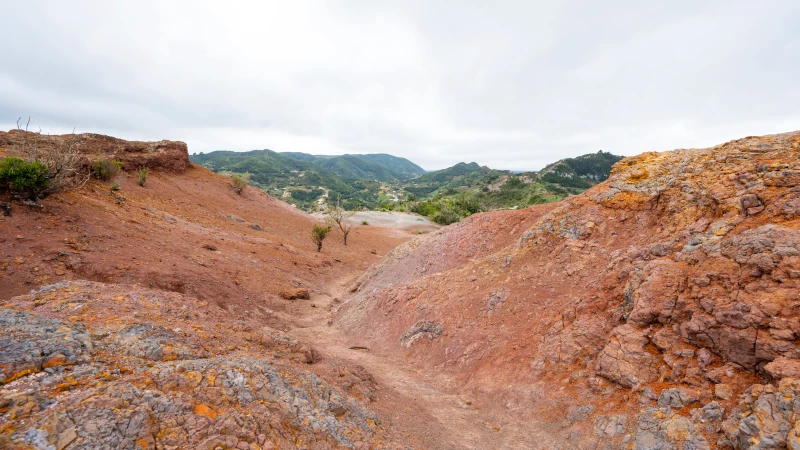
<point x="318" y="233"/>
<point x="141" y="174"/>
<point x="238" y="183"/>
<point x="338" y="216"/>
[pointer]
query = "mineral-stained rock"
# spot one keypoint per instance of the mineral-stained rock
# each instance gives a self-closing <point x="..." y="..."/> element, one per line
<point x="670" y="397"/>
<point x="783" y="367"/>
<point x="625" y="360"/>
<point x="723" y="391"/>
<point x="144" y="385"/>
<point x="31" y="343"/>
<point x="766" y="417"/>
<point x="660" y="429"/>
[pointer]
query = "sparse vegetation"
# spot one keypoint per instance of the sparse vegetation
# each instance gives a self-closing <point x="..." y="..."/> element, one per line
<point x="28" y="179"/>
<point x="338" y="216"/>
<point x="65" y="167"/>
<point x="239" y="183"/>
<point x="141" y="176"/>
<point x="106" y="169"/>
<point x="364" y="222"/>
<point x="318" y="233"/>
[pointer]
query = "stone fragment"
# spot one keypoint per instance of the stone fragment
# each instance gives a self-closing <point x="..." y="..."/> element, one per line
<point x="782" y="367"/>
<point x="670" y="397"/>
<point x="294" y="294"/>
<point x="723" y="391"/>
<point x="625" y="361"/>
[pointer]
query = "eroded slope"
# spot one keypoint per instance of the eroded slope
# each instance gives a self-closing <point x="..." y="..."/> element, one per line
<point x="653" y="310"/>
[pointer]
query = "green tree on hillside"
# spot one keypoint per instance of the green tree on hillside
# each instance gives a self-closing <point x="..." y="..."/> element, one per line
<point x="318" y="233"/>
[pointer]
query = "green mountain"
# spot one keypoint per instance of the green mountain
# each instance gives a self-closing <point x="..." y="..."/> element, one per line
<point x="353" y="166"/>
<point x="401" y="168"/>
<point x="398" y="165"/>
<point x="293" y="180"/>
<point x="462" y="175"/>
<point x="305" y="156"/>
<point x="451" y="173"/>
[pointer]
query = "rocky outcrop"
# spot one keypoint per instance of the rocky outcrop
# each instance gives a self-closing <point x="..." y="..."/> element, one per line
<point x="168" y="155"/>
<point x="681" y="273"/>
<point x="104" y="366"/>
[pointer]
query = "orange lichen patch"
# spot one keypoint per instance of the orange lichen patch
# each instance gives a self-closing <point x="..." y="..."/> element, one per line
<point x="193" y="378"/>
<point x="17" y="375"/>
<point x="205" y="410"/>
<point x="55" y="360"/>
<point x="69" y="383"/>
<point x="169" y="354"/>
<point x="146" y="442"/>
<point x="637" y="175"/>
<point x="627" y="200"/>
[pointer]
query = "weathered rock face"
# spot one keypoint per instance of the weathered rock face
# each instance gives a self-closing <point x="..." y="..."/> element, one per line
<point x="680" y="271"/>
<point x="103" y="366"/>
<point x="169" y="155"/>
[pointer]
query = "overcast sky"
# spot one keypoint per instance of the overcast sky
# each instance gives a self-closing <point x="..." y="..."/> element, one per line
<point x="508" y="84"/>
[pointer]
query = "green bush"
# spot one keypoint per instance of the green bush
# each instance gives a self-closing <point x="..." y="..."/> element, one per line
<point x="318" y="233"/>
<point x="238" y="183"/>
<point x="106" y="169"/>
<point x="445" y="216"/>
<point x="141" y="175"/>
<point x="27" y="178"/>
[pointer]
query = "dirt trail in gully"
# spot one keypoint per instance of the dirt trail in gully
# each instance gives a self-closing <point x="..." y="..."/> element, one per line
<point x="419" y="402"/>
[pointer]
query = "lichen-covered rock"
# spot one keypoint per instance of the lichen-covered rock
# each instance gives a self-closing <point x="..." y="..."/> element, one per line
<point x="129" y="381"/>
<point x="766" y="417"/>
<point x="29" y="344"/>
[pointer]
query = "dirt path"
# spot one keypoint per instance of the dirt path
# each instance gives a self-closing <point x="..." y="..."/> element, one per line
<point x="413" y="397"/>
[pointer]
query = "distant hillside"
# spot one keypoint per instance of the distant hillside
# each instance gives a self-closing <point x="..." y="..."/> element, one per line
<point x="401" y="167"/>
<point x="279" y="174"/>
<point x="353" y="166"/>
<point x="361" y="181"/>
<point x="461" y="174"/>
<point x="448" y="195"/>
<point x="580" y="172"/>
<point x="267" y="168"/>
<point x="305" y="156"/>
<point x="387" y="182"/>
<point x="398" y="165"/>
<point x="459" y="170"/>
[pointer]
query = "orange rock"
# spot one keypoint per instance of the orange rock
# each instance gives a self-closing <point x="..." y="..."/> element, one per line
<point x="55" y="360"/>
<point x="205" y="410"/>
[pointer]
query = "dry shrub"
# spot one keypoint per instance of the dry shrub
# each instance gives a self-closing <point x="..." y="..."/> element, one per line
<point x="106" y="169"/>
<point x="65" y="165"/>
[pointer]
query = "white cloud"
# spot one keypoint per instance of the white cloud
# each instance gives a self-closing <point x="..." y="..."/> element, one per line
<point x="509" y="84"/>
